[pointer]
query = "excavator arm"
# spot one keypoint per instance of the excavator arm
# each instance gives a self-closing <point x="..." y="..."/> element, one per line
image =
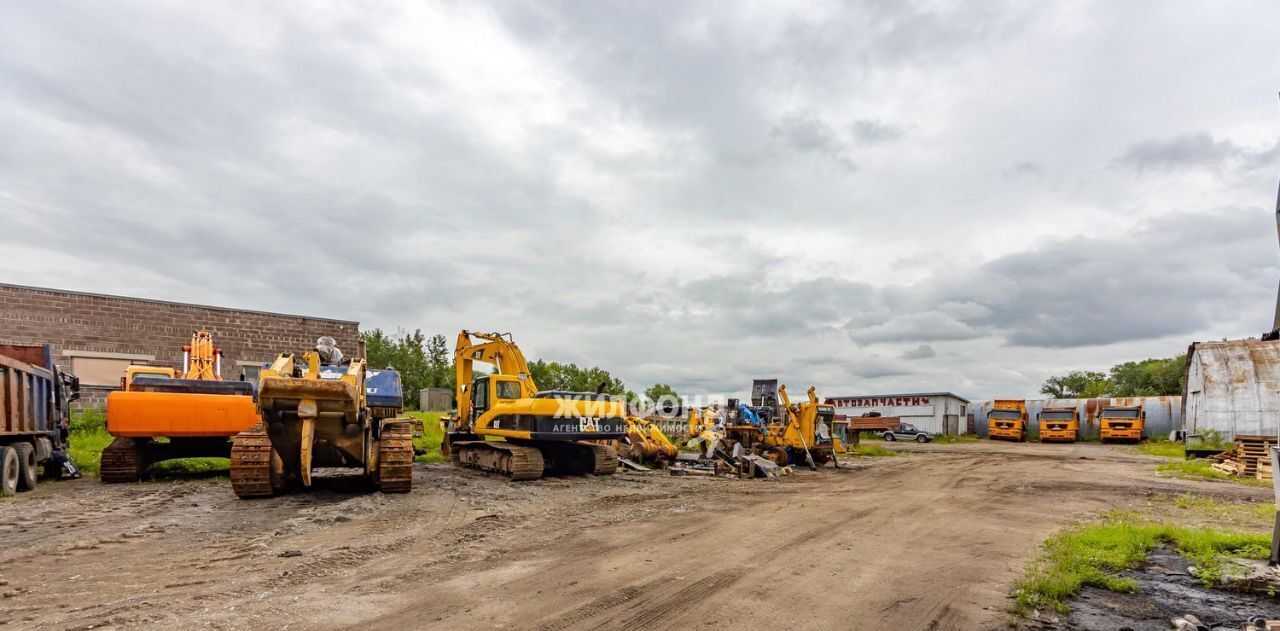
<point x="201" y="359"/>
<point x="496" y="349"/>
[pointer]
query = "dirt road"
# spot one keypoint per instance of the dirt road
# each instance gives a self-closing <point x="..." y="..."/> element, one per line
<point x="929" y="541"/>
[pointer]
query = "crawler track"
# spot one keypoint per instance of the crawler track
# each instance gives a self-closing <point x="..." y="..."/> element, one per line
<point x="605" y="459"/>
<point x="122" y="461"/>
<point x="395" y="457"/>
<point x="251" y="463"/>
<point x="518" y="462"/>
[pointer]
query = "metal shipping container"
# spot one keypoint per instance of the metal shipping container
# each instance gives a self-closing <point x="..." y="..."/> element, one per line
<point x="1164" y="414"/>
<point x="1232" y="387"/>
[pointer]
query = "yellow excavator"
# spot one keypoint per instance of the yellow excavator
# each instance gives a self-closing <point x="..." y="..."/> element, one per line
<point x="505" y="425"/>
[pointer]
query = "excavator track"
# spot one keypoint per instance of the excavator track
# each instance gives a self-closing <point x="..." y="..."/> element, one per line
<point x="395" y="457"/>
<point x="519" y="462"/>
<point x="251" y="463"/>
<point x="121" y="461"/>
<point x="580" y="457"/>
<point x="604" y="457"/>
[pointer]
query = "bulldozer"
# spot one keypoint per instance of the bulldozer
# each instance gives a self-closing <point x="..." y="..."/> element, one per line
<point x="780" y="431"/>
<point x="161" y="414"/>
<point x="321" y="411"/>
<point x="505" y="425"/>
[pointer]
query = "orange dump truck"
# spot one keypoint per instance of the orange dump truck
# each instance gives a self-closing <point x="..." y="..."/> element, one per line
<point x="1061" y="424"/>
<point x="1007" y="420"/>
<point x="1122" y="423"/>
<point x="195" y="410"/>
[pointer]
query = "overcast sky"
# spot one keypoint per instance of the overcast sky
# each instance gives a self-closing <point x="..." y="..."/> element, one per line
<point x="869" y="197"/>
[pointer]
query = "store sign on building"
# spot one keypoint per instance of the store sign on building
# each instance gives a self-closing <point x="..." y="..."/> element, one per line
<point x="875" y="402"/>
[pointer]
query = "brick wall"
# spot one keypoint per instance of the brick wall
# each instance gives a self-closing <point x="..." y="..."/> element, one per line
<point x="91" y="322"/>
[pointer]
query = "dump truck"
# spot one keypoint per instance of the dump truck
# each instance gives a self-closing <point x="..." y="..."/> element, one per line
<point x="35" y="401"/>
<point x="1059" y="424"/>
<point x="505" y="425"/>
<point x="780" y="431"/>
<point x="320" y="410"/>
<point x="1122" y="424"/>
<point x="1007" y="420"/>
<point x="162" y="414"/>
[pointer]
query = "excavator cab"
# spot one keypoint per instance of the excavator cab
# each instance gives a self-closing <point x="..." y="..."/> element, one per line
<point x="491" y="389"/>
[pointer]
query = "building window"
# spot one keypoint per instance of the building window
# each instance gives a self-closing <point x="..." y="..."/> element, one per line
<point x="247" y="371"/>
<point x="103" y="369"/>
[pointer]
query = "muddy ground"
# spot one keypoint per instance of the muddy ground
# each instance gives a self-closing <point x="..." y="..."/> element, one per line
<point x="933" y="540"/>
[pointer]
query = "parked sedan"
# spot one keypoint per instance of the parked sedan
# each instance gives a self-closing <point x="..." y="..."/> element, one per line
<point x="907" y="431"/>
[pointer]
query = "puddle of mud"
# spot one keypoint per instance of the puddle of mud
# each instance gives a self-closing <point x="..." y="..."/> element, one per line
<point x="1166" y="590"/>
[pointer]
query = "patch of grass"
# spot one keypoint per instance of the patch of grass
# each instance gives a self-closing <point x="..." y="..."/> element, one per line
<point x="955" y="438"/>
<point x="1203" y="470"/>
<point x="1162" y="448"/>
<point x="432" y="436"/>
<point x="872" y="451"/>
<point x="88" y="438"/>
<point x="866" y="436"/>
<point x="1092" y="555"/>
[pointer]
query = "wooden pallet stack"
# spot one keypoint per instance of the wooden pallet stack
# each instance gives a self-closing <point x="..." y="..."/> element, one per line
<point x="1253" y="450"/>
<point x="1251" y="457"/>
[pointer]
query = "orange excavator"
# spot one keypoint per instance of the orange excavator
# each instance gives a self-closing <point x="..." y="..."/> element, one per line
<point x="161" y="414"/>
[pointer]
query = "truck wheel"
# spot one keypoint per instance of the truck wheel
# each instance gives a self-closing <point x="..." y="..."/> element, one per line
<point x="27" y="471"/>
<point x="890" y="437"/>
<point x="8" y="470"/>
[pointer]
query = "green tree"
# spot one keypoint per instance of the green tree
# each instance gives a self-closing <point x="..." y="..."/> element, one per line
<point x="440" y="363"/>
<point x="659" y="390"/>
<point x="558" y="376"/>
<point x="1077" y="384"/>
<point x="1149" y="377"/>
<point x="1146" y="378"/>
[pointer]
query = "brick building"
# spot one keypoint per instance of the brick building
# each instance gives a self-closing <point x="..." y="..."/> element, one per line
<point x="96" y="336"/>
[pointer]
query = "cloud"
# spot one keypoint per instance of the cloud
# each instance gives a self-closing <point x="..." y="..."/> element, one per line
<point x="1197" y="150"/>
<point x="869" y="131"/>
<point x="805" y="135"/>
<point x="923" y="351"/>
<point x="689" y="193"/>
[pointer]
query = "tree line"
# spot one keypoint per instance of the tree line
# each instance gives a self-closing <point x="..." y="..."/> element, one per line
<point x="1146" y="378"/>
<point x="427" y="362"/>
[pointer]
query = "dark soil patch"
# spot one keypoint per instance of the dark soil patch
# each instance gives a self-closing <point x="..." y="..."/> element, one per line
<point x="1166" y="590"/>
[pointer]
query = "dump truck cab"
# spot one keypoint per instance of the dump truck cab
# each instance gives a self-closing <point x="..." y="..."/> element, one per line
<point x="1122" y="423"/>
<point x="1059" y="424"/>
<point x="1007" y="420"/>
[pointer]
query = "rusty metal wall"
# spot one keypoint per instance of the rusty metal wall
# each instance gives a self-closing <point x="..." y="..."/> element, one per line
<point x="1164" y="414"/>
<point x="1233" y="387"/>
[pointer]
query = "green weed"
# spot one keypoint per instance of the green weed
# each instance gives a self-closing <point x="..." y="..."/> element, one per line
<point x="872" y="451"/>
<point x="1203" y="470"/>
<point x="432" y="436"/>
<point x="1162" y="448"/>
<point x="955" y="438"/>
<point x="1092" y="555"/>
